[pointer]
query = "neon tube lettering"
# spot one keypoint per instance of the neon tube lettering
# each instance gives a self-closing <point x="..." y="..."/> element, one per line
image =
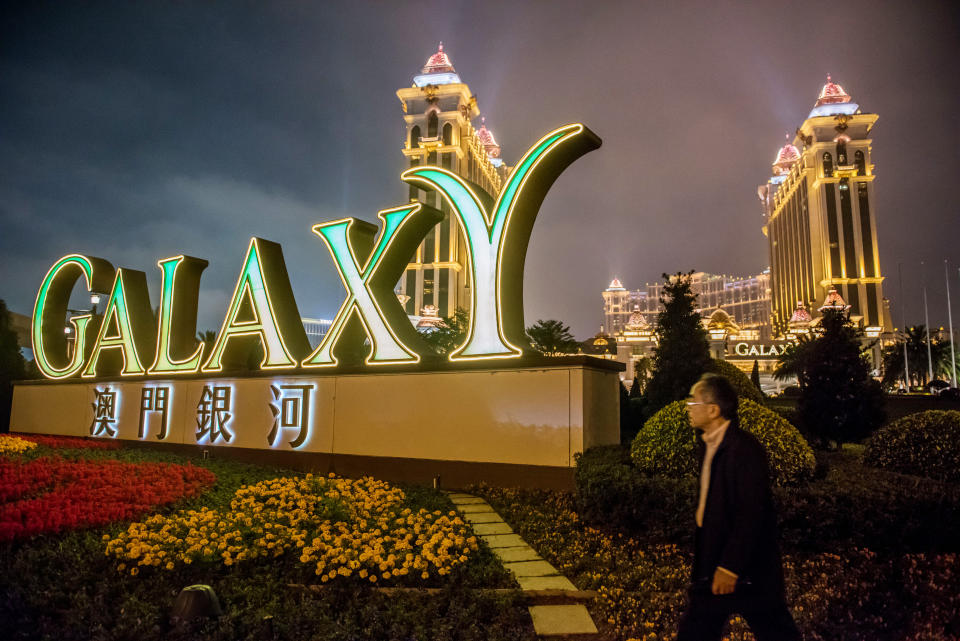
<point x="371" y="308"/>
<point x="50" y="310"/>
<point x="264" y="299"/>
<point x="497" y="242"/>
<point x="179" y="294"/>
<point x="127" y="326"/>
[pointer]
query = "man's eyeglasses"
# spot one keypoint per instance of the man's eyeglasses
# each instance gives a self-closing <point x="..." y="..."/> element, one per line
<point x="692" y="403"/>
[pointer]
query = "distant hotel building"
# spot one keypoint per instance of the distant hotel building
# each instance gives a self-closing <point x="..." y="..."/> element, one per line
<point x="438" y="110"/>
<point x="745" y="300"/>
<point x="820" y="216"/>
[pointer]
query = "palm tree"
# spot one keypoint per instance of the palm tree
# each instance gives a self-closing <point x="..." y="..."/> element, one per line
<point x="552" y="337"/>
<point x="794" y="361"/>
<point x="917" y="360"/>
<point x="208" y="338"/>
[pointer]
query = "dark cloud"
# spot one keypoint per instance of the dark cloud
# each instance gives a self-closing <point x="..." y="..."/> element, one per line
<point x="135" y="131"/>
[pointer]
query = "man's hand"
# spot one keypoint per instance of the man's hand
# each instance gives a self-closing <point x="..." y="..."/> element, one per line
<point x="723" y="582"/>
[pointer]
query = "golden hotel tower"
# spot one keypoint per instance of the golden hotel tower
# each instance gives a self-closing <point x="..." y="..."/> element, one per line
<point x="438" y="110"/>
<point x="820" y="215"/>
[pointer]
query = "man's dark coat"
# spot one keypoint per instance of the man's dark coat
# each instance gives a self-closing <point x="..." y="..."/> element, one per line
<point x="739" y="530"/>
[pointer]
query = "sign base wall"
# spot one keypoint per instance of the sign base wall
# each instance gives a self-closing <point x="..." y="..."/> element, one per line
<point x="505" y="422"/>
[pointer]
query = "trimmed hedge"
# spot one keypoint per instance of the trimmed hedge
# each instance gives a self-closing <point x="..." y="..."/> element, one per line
<point x="612" y="491"/>
<point x="924" y="444"/>
<point x="666" y="444"/>
<point x="740" y="381"/>
<point x="853" y="505"/>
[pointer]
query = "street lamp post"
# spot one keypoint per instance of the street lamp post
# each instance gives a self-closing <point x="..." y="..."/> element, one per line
<point x="953" y="357"/>
<point x="903" y="322"/>
<point x="68" y="330"/>
<point x="926" y="318"/>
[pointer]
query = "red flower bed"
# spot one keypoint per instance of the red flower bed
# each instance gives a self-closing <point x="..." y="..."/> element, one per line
<point x="52" y="495"/>
<point x="69" y="442"/>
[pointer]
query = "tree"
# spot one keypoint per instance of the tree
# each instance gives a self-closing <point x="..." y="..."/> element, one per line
<point x="682" y="352"/>
<point x="794" y="360"/>
<point x="450" y="333"/>
<point x="755" y="375"/>
<point x="839" y="403"/>
<point x="12" y="366"/>
<point x="635" y="390"/>
<point x="552" y="338"/>
<point x="916" y="342"/>
<point x="208" y="338"/>
<point x="628" y="419"/>
<point x="642" y="369"/>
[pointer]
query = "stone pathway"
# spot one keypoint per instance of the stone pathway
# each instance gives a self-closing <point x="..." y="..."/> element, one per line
<point x="530" y="571"/>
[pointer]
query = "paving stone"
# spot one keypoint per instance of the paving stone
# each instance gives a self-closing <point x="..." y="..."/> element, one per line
<point x="531" y="568"/>
<point x="473" y="509"/>
<point x="482" y="517"/>
<point x="503" y="540"/>
<point x="561" y="619"/>
<point x="545" y="583"/>
<point x="484" y="529"/>
<point x="512" y="555"/>
<point x="460" y="495"/>
<point x="467" y="501"/>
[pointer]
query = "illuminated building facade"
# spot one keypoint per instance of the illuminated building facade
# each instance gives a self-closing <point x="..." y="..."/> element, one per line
<point x="745" y="300"/>
<point x="820" y="216"/>
<point x="438" y="111"/>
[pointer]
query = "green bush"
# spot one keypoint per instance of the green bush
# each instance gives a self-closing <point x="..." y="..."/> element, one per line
<point x="740" y="381"/>
<point x="612" y="491"/>
<point x="924" y="444"/>
<point x="665" y="445"/>
<point x="851" y="505"/>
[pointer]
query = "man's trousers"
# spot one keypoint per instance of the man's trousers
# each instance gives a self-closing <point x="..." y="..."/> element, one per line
<point x="767" y="615"/>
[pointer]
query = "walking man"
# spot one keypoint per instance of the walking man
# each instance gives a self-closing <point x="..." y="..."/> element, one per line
<point x="736" y="561"/>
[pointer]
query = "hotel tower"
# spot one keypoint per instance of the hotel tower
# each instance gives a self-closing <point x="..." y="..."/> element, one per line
<point x="820" y="216"/>
<point x="438" y="111"/>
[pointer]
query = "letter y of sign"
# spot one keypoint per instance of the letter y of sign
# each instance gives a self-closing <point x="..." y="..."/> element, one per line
<point x="371" y="308"/>
<point x="497" y="236"/>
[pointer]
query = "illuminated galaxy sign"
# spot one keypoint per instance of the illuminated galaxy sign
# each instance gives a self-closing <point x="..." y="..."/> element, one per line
<point x="758" y="350"/>
<point x="128" y="340"/>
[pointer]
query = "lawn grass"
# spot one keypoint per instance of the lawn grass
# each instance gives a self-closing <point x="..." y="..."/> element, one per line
<point x="64" y="587"/>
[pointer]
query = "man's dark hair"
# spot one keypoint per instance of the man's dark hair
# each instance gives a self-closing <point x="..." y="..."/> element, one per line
<point x="720" y="392"/>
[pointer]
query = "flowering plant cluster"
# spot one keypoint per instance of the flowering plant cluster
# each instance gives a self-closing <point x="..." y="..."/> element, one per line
<point x="69" y="442"/>
<point x="851" y="593"/>
<point x="14" y="445"/>
<point x="338" y="527"/>
<point x="51" y="495"/>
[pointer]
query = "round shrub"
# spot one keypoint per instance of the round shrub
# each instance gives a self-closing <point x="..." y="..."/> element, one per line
<point x="666" y="444"/>
<point x="740" y="381"/>
<point x="924" y="444"/>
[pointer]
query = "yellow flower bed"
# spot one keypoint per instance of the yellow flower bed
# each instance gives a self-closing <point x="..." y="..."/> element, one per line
<point x="339" y="526"/>
<point x="14" y="445"/>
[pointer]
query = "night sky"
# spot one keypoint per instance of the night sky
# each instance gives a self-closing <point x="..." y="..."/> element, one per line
<point x="136" y="131"/>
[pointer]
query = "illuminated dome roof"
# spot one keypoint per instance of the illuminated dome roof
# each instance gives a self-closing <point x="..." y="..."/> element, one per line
<point x="834" y="301"/>
<point x="832" y="94"/>
<point x="485" y="136"/>
<point x="801" y="317"/>
<point x="616" y="284"/>
<point x="786" y="158"/>
<point x="440" y="62"/>
<point x="429" y="318"/>
<point x="637" y="321"/>
<point x="438" y="70"/>
<point x="721" y="320"/>
<point x="833" y="100"/>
